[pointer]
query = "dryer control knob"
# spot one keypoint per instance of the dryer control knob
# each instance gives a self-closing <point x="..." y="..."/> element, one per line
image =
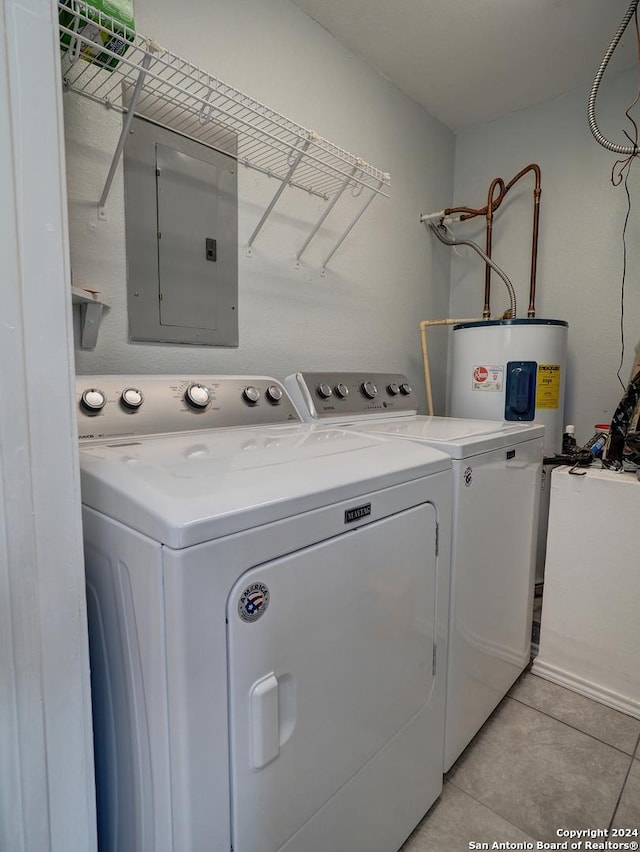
<point x="369" y="390"/>
<point x="251" y="395"/>
<point x="93" y="400"/>
<point x="131" y="398"/>
<point x="198" y="396"/>
<point x="324" y="391"/>
<point x="274" y="394"/>
<point x="342" y="390"/>
<point x="405" y="389"/>
<point x="393" y="389"/>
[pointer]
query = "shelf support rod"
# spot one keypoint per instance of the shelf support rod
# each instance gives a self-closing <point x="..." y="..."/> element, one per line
<point x="328" y="210"/>
<point x="353" y="224"/>
<point x="125" y="129"/>
<point x="90" y="314"/>
<point x="285" y="181"/>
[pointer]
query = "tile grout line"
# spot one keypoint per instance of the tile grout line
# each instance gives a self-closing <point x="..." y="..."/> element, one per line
<point x="573" y="727"/>
<point x="624" y="784"/>
<point x="489" y="808"/>
<point x="635" y="754"/>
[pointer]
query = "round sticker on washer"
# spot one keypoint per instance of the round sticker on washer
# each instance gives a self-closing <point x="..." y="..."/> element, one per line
<point x="468" y="476"/>
<point x="253" y="602"/>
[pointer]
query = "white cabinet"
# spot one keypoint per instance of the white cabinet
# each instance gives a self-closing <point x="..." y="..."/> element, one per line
<point x="590" y="631"/>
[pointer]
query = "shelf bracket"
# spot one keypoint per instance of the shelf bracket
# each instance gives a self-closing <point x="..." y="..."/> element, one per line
<point x="299" y="153"/>
<point x="91" y="305"/>
<point x="328" y="210"/>
<point x="90" y="314"/>
<point x="354" y="221"/>
<point x="125" y="129"/>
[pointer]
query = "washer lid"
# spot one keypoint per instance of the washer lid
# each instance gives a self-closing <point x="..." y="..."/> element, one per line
<point x="185" y="489"/>
<point x="456" y="436"/>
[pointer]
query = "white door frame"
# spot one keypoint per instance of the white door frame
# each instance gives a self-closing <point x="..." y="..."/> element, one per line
<point x="47" y="801"/>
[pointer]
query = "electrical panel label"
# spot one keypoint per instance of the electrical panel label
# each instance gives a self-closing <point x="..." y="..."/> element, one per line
<point x="487" y="377"/>
<point x="548" y="386"/>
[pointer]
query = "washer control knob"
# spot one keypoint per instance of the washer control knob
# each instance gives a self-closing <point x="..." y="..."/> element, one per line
<point x="93" y="400"/>
<point x="342" y="390"/>
<point x="251" y="395"/>
<point x="198" y="396"/>
<point x="131" y="398"/>
<point x="369" y="390"/>
<point x="393" y="389"/>
<point x="324" y="391"/>
<point x="274" y="394"/>
<point x="405" y="389"/>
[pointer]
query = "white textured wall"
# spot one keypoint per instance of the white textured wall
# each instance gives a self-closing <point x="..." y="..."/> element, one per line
<point x="581" y="220"/>
<point x="385" y="278"/>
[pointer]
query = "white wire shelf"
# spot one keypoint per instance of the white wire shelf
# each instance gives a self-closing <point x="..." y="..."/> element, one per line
<point x="152" y="82"/>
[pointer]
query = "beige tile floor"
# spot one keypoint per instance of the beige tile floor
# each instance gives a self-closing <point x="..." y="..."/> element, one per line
<point x="547" y="759"/>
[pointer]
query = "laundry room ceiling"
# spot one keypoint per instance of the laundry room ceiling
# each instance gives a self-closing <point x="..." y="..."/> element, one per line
<point x="471" y="61"/>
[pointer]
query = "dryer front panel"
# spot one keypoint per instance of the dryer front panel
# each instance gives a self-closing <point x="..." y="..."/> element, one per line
<point x="330" y="655"/>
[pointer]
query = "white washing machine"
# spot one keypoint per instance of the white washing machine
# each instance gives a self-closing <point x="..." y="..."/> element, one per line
<point x="268" y="620"/>
<point x="496" y="492"/>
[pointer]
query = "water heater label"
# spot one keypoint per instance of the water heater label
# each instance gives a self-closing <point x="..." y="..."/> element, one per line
<point x="487" y="377"/>
<point x="548" y="386"/>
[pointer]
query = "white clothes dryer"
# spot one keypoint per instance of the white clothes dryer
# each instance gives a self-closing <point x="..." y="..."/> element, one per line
<point x="268" y="620"/>
<point x="496" y="491"/>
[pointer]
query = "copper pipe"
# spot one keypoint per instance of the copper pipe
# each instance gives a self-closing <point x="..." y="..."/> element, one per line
<point x="537" y="192"/>
<point x="472" y="212"/>
<point x="488" y="210"/>
<point x="496" y="182"/>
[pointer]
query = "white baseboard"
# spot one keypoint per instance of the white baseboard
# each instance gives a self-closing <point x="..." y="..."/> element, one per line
<point x="599" y="693"/>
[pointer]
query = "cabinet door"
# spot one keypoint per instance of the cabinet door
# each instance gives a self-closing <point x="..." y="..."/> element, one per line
<point x="335" y="658"/>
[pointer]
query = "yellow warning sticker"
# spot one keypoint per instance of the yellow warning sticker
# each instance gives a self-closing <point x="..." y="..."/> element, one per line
<point x="548" y="386"/>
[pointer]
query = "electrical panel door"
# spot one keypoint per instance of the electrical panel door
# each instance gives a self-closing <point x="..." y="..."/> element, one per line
<point x="182" y="239"/>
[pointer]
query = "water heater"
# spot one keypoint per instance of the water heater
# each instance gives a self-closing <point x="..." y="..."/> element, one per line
<point x="511" y="370"/>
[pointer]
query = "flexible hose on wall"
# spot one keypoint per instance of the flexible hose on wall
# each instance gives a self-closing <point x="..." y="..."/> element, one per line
<point x="611" y="146"/>
<point x="444" y="235"/>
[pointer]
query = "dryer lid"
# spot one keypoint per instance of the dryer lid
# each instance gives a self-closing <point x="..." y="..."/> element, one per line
<point x="189" y="488"/>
